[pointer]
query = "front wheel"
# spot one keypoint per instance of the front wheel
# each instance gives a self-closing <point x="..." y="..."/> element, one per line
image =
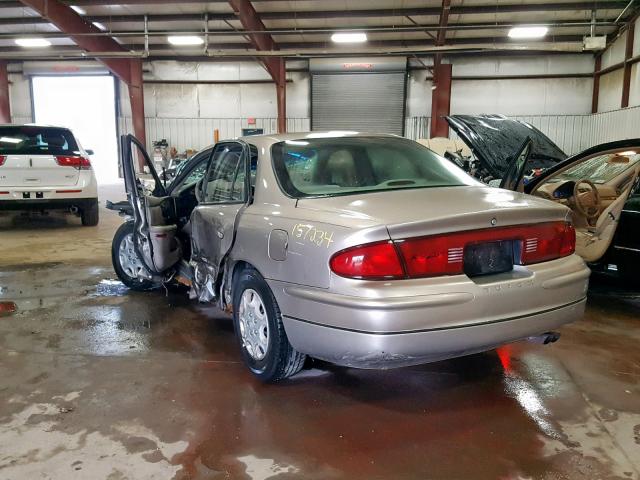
<point x="126" y="262"/>
<point x="258" y="324"/>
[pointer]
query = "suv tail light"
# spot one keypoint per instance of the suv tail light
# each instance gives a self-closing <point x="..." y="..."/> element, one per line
<point x="81" y="163"/>
<point x="444" y="254"/>
<point x="2" y="160"/>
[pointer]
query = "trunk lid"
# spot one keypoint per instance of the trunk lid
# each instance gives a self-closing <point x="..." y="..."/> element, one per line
<point x="495" y="139"/>
<point x="36" y="171"/>
<point x="429" y="211"/>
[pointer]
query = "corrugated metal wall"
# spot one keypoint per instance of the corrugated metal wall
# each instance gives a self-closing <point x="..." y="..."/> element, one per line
<point x="197" y="133"/>
<point x="572" y="133"/>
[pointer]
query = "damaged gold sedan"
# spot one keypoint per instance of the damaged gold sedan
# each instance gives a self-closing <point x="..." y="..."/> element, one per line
<point x="368" y="251"/>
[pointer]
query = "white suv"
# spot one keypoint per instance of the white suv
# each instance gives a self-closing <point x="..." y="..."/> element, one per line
<point x="45" y="168"/>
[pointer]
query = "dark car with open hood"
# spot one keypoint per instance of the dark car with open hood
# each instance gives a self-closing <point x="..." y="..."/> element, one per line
<point x="600" y="185"/>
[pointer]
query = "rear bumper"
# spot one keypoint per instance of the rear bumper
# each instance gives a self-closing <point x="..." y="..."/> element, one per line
<point x="46" y="204"/>
<point x="397" y="349"/>
<point x="395" y="323"/>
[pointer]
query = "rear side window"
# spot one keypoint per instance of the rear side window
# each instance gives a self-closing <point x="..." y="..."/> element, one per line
<point x="29" y="140"/>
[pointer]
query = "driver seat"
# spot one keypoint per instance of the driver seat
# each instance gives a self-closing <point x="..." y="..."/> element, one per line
<point x="592" y="243"/>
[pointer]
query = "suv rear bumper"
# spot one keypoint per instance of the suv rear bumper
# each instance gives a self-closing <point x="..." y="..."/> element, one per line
<point x="47" y="204"/>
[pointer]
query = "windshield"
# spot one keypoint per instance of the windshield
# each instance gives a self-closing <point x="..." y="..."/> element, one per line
<point x="345" y="165"/>
<point x="600" y="169"/>
<point x="34" y="140"/>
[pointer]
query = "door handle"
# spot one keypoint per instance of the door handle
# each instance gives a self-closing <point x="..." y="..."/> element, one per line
<point x="220" y="233"/>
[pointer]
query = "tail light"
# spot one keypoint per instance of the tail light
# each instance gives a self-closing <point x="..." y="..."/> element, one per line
<point x="3" y="159"/>
<point x="444" y="254"/>
<point x="81" y="163"/>
<point x="547" y="242"/>
<point x="374" y="261"/>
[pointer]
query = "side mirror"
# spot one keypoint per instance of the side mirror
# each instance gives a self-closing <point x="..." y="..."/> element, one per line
<point x="198" y="187"/>
<point x="89" y="151"/>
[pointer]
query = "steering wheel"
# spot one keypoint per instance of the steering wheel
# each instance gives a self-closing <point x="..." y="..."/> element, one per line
<point x="588" y="203"/>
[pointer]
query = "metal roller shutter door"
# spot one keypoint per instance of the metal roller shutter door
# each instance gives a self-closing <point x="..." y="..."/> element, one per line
<point x="367" y="102"/>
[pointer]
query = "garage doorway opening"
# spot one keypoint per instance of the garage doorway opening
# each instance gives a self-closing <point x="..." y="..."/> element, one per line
<point x="85" y="104"/>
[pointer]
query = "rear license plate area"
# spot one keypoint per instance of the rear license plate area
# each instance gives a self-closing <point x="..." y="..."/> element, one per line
<point x="488" y="258"/>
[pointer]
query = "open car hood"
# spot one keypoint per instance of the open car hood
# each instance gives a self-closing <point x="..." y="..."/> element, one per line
<point x="495" y="139"/>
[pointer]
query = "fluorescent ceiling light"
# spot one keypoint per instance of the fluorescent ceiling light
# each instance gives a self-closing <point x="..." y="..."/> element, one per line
<point x="349" y="37"/>
<point x="32" y="42"/>
<point x="10" y="140"/>
<point x="185" y="40"/>
<point x="528" y="32"/>
<point x="79" y="10"/>
<point x="99" y="25"/>
<point x="331" y="134"/>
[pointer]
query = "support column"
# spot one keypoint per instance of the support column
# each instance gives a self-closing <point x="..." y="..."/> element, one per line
<point x="136" y="97"/>
<point x="5" y="108"/>
<point x="596" y="84"/>
<point x="440" y="99"/>
<point x="281" y="90"/>
<point x="626" y="81"/>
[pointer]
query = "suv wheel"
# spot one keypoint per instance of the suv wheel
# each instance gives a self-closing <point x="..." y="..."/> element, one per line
<point x="90" y="214"/>
<point x="258" y="324"/>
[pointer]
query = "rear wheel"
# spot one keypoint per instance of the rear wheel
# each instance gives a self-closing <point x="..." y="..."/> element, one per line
<point x="258" y="324"/>
<point x="90" y="214"/>
<point x="126" y="262"/>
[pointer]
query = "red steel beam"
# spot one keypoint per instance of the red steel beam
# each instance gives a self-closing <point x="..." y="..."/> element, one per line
<point x="441" y="95"/>
<point x="628" y="55"/>
<point x="596" y="84"/>
<point x="128" y="70"/>
<point x="264" y="42"/>
<point x="5" y="108"/>
<point x="441" y="100"/>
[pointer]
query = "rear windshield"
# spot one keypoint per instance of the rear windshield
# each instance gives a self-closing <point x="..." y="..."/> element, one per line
<point x="347" y="165"/>
<point x="37" y="141"/>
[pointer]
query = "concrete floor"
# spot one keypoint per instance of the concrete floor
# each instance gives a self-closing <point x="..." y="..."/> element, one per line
<point x="103" y="383"/>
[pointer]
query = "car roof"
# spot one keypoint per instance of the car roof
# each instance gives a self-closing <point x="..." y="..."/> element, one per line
<point x="270" y="139"/>
<point x="39" y="125"/>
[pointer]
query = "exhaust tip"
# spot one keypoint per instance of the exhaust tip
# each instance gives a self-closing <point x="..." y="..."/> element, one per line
<point x="545" y="338"/>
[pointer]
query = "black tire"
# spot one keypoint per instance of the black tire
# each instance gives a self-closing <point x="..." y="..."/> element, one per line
<point x="132" y="282"/>
<point x="90" y="214"/>
<point x="281" y="360"/>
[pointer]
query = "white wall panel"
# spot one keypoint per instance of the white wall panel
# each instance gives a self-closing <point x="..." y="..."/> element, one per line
<point x="636" y="39"/>
<point x="172" y="100"/>
<point x="610" y="95"/>
<point x="258" y="100"/>
<point x="522" y="96"/>
<point x="20" y="96"/>
<point x="218" y="101"/>
<point x="538" y="65"/>
<point x="615" y="53"/>
<point x="298" y="95"/>
<point x="634" y="88"/>
<point x="418" y="94"/>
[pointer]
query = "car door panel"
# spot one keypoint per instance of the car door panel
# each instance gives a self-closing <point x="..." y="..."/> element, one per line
<point x="153" y="212"/>
<point x="224" y="194"/>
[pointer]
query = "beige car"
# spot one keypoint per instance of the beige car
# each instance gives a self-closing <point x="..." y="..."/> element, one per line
<point x="368" y="251"/>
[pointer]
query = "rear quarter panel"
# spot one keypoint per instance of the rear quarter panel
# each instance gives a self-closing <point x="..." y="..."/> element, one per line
<point x="310" y="245"/>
